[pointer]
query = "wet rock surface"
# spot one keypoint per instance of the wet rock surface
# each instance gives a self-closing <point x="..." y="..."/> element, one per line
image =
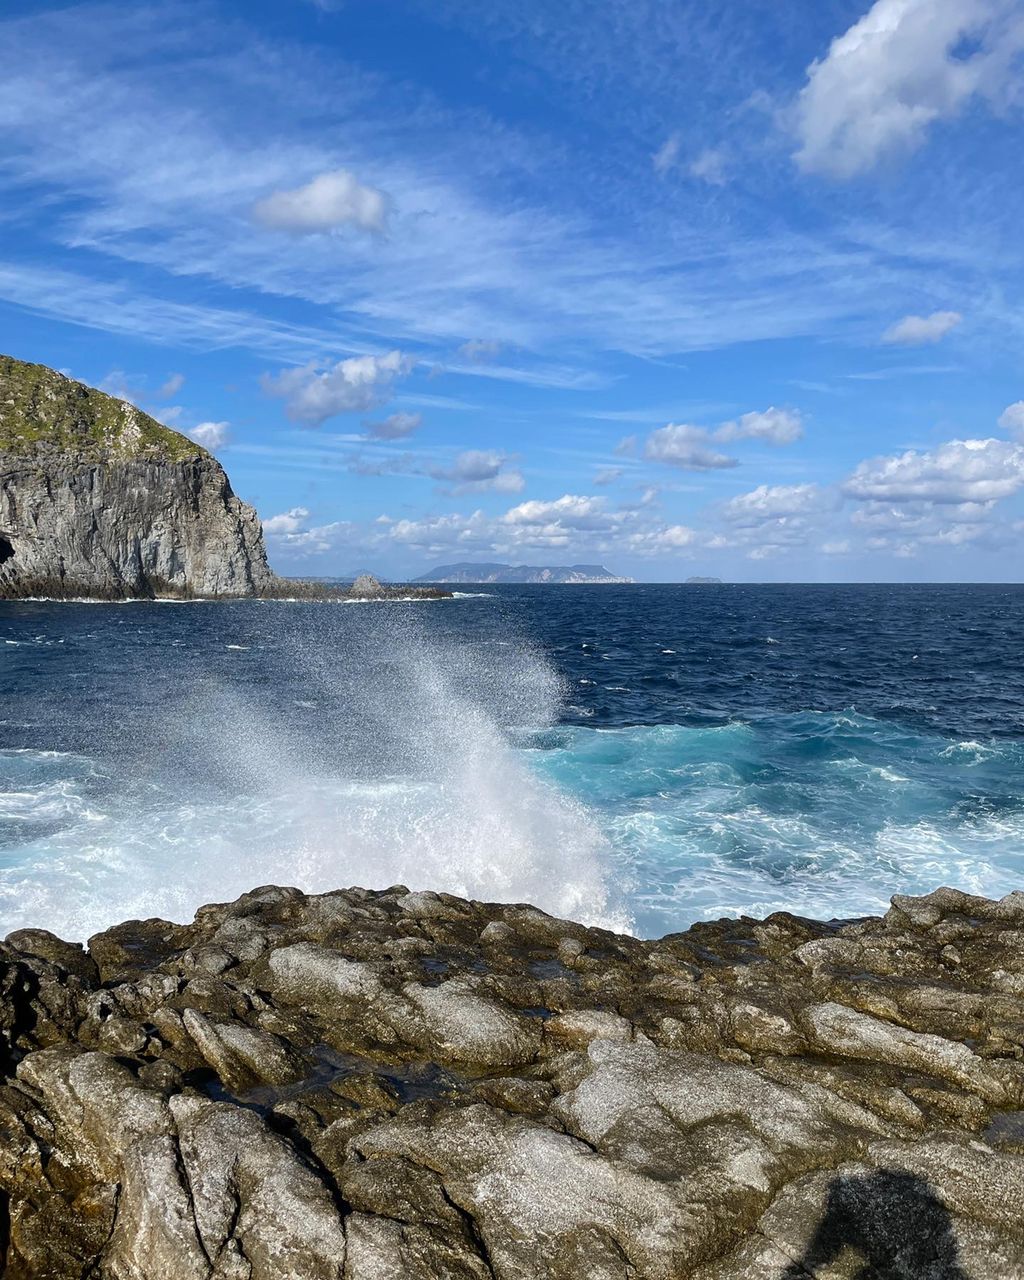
<point x="367" y="1085"/>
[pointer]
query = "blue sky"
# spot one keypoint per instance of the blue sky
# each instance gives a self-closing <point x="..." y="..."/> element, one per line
<point x="688" y="289"/>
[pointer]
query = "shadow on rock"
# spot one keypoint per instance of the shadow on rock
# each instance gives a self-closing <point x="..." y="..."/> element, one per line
<point x="893" y="1221"/>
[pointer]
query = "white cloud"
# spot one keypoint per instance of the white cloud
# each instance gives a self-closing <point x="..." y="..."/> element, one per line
<point x="776" y="426"/>
<point x="292" y="521"/>
<point x="707" y="166"/>
<point x="523" y="271"/>
<point x="571" y="510"/>
<point x="476" y="470"/>
<point x="956" y="472"/>
<point x="839" y="548"/>
<point x="394" y="427"/>
<point x="607" y="475"/>
<point x="903" y="528"/>
<point x="211" y="435"/>
<point x="917" y="331"/>
<point x="319" y="539"/>
<point x="710" y="167"/>
<point x="895" y="72"/>
<point x="328" y="201"/>
<point x="172" y="386"/>
<point x="1012" y="419"/>
<point x="479" y="350"/>
<point x="773" y="502"/>
<point x="674" y="537"/>
<point x="353" y="385"/>
<point x="667" y="154"/>
<point x="687" y="447"/>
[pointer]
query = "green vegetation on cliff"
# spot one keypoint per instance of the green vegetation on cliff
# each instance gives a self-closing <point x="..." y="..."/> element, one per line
<point x="40" y="408"/>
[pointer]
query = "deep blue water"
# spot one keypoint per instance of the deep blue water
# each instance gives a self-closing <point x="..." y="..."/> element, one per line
<point x="644" y="755"/>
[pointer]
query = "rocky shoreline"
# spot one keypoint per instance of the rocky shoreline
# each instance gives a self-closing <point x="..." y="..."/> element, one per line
<point x="378" y="1085"/>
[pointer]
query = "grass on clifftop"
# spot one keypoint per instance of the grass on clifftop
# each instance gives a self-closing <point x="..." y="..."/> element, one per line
<point x="40" y="407"/>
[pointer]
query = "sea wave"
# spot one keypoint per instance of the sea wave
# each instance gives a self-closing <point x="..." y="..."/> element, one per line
<point x="823" y="813"/>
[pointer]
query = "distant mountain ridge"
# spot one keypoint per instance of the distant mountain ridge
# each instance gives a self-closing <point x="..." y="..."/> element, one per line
<point x="466" y="573"/>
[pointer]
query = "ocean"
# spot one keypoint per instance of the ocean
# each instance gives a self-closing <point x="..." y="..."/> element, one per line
<point x="634" y="756"/>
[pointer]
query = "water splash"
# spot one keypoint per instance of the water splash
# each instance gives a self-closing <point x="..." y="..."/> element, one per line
<point x="396" y="765"/>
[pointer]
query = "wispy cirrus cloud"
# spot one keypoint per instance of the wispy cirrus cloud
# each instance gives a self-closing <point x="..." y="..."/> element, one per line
<point x="149" y="180"/>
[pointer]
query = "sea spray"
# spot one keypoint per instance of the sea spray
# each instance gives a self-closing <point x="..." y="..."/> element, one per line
<point x="395" y="765"/>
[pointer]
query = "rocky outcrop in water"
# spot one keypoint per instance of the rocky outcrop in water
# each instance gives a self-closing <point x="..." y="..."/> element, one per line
<point x="410" y="1086"/>
<point x="98" y="499"/>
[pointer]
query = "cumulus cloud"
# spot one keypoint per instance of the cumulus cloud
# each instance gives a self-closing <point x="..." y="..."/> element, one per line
<point x="331" y="200"/>
<point x="1011" y="419"/>
<point x="956" y="472"/>
<point x="571" y="510"/>
<point x="394" y="427"/>
<point x="475" y="470"/>
<point x="918" y="331"/>
<point x="292" y="521"/>
<point x="290" y="535"/>
<point x="350" y="386"/>
<point x="903" y="528"/>
<point x="211" y="435"/>
<point x="673" y="537"/>
<point x="687" y="447"/>
<point x="775" y="426"/>
<point x="773" y="502"/>
<point x="903" y="66"/>
<point x="692" y="448"/>
<point x="172" y="386"/>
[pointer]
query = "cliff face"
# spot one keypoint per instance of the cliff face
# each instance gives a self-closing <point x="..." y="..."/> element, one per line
<point x="98" y="499"/>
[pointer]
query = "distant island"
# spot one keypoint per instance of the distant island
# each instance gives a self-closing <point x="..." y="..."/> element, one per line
<point x="466" y="574"/>
<point x="703" y="582"/>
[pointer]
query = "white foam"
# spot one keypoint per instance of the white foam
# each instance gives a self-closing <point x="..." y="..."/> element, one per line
<point x="432" y="794"/>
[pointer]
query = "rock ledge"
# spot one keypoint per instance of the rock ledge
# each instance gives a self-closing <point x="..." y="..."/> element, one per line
<point x="377" y="1085"/>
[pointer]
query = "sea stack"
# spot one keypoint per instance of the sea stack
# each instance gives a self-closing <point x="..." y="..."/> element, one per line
<point x="98" y="499"/>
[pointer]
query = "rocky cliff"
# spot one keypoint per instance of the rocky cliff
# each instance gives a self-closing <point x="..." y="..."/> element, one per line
<point x="98" y="499"/>
<point x="407" y="1086"/>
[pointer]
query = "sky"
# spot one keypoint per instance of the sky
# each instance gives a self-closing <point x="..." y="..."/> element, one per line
<point x="683" y="289"/>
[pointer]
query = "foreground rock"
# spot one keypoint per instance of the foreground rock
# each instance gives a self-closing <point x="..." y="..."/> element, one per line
<point x="407" y="1085"/>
